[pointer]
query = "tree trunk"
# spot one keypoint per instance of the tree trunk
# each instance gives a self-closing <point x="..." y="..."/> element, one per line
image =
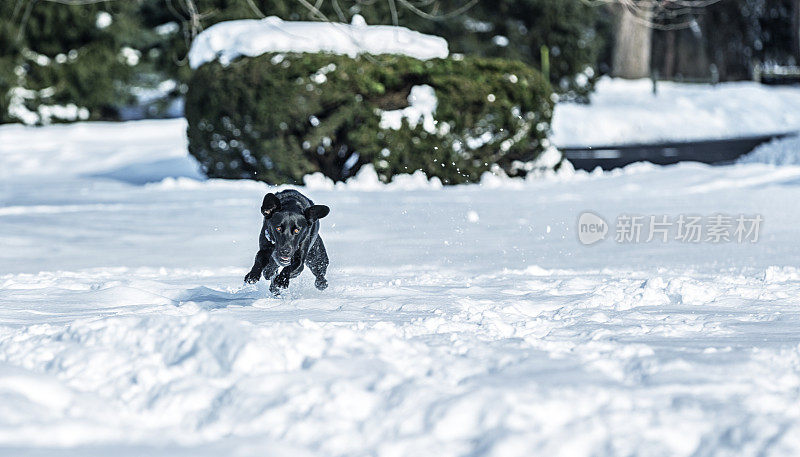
<point x="796" y="31"/>
<point x="669" y="54"/>
<point x="632" y="44"/>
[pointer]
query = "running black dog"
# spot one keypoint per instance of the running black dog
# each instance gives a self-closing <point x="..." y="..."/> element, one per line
<point x="289" y="238"/>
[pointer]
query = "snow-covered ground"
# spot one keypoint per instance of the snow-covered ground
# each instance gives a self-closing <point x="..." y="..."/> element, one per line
<point x="781" y="151"/>
<point x="459" y="321"/>
<point x="623" y="112"/>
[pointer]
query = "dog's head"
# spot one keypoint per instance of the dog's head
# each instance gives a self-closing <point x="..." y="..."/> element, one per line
<point x="287" y="229"/>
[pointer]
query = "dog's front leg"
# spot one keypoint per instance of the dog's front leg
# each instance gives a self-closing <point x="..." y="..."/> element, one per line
<point x="261" y="261"/>
<point x="282" y="280"/>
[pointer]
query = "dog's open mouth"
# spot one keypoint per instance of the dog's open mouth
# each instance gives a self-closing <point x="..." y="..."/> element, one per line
<point x="285" y="259"/>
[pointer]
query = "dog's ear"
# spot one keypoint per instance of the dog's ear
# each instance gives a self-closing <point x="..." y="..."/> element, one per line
<point x="270" y="206"/>
<point x="316" y="212"/>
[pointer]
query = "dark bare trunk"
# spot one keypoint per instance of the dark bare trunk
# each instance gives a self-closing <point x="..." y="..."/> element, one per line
<point x="669" y="54"/>
<point x="796" y="31"/>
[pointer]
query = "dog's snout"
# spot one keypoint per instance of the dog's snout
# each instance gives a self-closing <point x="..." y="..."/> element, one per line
<point x="284" y="255"/>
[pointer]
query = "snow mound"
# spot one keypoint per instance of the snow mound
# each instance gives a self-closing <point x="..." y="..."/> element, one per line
<point x="367" y="180"/>
<point x="231" y="39"/>
<point x="782" y="151"/>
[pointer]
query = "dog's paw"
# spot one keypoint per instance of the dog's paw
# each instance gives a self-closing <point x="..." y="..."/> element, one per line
<point x="274" y="290"/>
<point x="280" y="282"/>
<point x="321" y="283"/>
<point x="252" y="277"/>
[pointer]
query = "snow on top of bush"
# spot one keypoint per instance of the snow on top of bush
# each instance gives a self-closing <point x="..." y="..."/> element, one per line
<point x="249" y="37"/>
<point x="44" y="114"/>
<point x="422" y="104"/>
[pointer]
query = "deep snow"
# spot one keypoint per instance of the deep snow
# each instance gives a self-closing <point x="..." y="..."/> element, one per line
<point x="460" y="321"/>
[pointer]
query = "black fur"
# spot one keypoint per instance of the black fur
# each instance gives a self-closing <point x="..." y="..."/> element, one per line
<point x="290" y="239"/>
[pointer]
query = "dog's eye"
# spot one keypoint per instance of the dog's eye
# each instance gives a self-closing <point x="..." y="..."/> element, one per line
<point x="296" y="230"/>
<point x="278" y="229"/>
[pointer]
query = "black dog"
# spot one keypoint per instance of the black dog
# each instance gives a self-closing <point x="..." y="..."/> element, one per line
<point x="290" y="238"/>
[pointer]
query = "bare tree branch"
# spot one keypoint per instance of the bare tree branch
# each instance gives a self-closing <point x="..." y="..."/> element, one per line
<point x="434" y="16"/>
<point x="77" y="2"/>
<point x="24" y="21"/>
<point x="660" y="14"/>
<point x="193" y="18"/>
<point x="255" y="9"/>
<point x="339" y="11"/>
<point x="314" y="11"/>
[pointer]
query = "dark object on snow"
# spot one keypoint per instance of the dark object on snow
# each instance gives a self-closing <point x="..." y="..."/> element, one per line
<point x="289" y="238"/>
<point x="705" y="151"/>
<point x="777" y="75"/>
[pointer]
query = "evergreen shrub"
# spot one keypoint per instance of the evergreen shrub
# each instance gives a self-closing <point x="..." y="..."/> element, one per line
<point x="278" y="117"/>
